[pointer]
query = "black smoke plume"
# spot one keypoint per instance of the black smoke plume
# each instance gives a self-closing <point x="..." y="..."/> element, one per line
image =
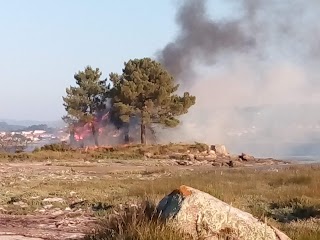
<point x="200" y="40"/>
<point x="254" y="73"/>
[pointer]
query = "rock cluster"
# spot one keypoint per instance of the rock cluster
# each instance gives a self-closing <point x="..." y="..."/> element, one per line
<point x="216" y="155"/>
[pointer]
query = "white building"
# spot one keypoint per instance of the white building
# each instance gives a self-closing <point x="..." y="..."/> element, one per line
<point x="25" y="133"/>
<point x="38" y="132"/>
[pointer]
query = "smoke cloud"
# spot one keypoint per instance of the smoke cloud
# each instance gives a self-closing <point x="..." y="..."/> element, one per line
<point x="200" y="39"/>
<point x="255" y="75"/>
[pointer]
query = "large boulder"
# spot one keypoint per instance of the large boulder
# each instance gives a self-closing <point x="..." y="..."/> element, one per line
<point x="220" y="150"/>
<point x="205" y="217"/>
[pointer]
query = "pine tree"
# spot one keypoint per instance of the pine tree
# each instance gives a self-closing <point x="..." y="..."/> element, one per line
<point x="86" y="100"/>
<point x="146" y="90"/>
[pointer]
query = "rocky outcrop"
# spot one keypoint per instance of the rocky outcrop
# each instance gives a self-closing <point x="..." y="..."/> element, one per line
<point x="205" y="217"/>
<point x="214" y="156"/>
<point x="218" y="156"/>
<point x="219" y="150"/>
<point x="246" y="157"/>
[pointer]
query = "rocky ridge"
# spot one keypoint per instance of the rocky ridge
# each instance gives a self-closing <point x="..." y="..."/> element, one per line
<point x="216" y="156"/>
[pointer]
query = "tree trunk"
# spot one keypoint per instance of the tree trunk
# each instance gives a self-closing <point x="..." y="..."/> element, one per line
<point x="71" y="138"/>
<point x="143" y="134"/>
<point x="126" y="134"/>
<point x="95" y="135"/>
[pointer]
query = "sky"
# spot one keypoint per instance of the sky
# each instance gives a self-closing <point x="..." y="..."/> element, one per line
<point x="43" y="43"/>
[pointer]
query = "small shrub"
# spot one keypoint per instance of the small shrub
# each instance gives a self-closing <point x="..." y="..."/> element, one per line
<point x="135" y="223"/>
<point x="303" y="230"/>
<point x="298" y="180"/>
<point x="201" y="147"/>
<point x="56" y="147"/>
<point x="292" y="210"/>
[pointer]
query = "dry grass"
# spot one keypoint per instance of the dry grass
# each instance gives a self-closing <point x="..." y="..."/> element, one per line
<point x="292" y="204"/>
<point x="138" y="223"/>
<point x="288" y="198"/>
<point x="62" y="152"/>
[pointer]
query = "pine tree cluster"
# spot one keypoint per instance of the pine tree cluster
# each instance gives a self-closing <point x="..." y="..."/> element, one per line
<point x="144" y="90"/>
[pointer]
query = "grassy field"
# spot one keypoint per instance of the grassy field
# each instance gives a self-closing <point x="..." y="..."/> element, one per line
<point x="64" y="152"/>
<point x="288" y="198"/>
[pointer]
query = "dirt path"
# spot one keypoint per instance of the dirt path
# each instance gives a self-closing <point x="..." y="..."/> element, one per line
<point x="59" y="224"/>
<point x="44" y="227"/>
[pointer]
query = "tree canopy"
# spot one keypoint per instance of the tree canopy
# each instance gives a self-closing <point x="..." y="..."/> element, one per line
<point x="146" y="90"/>
<point x="85" y="100"/>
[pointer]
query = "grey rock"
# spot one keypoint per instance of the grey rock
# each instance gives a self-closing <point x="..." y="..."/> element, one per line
<point x="246" y="157"/>
<point x="220" y="150"/>
<point x="205" y="217"/>
<point x="148" y="154"/>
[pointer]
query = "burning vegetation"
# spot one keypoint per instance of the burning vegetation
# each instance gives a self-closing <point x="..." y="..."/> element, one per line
<point x="108" y="131"/>
<point x="125" y="107"/>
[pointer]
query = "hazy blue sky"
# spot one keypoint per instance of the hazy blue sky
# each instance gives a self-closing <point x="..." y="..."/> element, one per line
<point x="43" y="43"/>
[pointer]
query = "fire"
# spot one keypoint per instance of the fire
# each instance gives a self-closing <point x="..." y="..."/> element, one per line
<point x="111" y="132"/>
<point x="83" y="131"/>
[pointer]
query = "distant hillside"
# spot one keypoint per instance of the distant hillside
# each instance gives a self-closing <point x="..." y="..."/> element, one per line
<point x="9" y="127"/>
<point x="5" y="127"/>
<point x="37" y="127"/>
<point x="26" y="123"/>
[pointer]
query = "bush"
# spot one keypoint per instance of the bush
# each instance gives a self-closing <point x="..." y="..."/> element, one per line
<point x="292" y="210"/>
<point x="55" y="147"/>
<point x="135" y="223"/>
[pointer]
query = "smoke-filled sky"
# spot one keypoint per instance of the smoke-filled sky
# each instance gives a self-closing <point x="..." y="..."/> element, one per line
<point x="255" y="75"/>
<point x="252" y="64"/>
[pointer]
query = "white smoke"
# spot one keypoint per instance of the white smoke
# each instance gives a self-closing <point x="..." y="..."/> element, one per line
<point x="255" y="78"/>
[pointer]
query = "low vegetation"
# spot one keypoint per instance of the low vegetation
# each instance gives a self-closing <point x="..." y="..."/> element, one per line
<point x="136" y="223"/>
<point x="288" y="198"/>
<point x="63" y="151"/>
<point x="292" y="205"/>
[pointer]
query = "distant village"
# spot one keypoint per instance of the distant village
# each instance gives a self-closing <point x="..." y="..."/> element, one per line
<point x="34" y="138"/>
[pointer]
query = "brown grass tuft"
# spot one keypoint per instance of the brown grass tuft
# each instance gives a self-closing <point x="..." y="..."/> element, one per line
<point x="135" y="223"/>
